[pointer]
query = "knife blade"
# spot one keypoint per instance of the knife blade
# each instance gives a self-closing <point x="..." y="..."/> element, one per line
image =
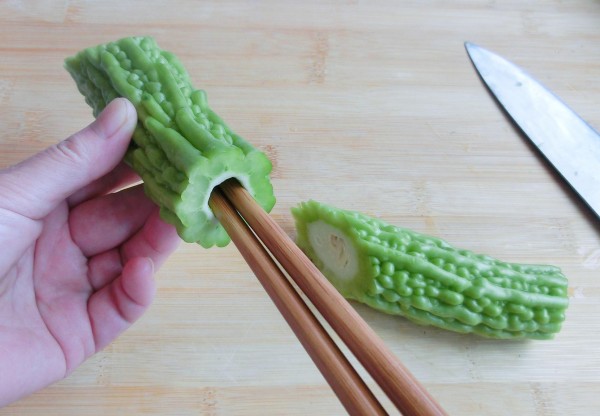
<point x="568" y="142"/>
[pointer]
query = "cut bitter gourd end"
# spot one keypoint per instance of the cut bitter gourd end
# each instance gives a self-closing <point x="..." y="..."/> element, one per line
<point x="428" y="281"/>
<point x="334" y="250"/>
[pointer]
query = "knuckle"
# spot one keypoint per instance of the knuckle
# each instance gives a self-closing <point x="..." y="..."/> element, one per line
<point x="71" y="151"/>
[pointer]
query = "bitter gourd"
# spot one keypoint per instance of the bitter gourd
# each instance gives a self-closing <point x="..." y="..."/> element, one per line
<point x="180" y="148"/>
<point x="427" y="280"/>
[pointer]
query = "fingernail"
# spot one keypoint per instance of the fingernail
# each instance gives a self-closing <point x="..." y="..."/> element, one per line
<point x="113" y="117"/>
<point x="151" y="264"/>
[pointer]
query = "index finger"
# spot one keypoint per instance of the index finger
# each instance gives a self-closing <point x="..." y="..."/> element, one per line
<point x="120" y="177"/>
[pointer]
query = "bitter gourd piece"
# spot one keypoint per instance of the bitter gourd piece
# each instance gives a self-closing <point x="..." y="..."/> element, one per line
<point x="428" y="281"/>
<point x="180" y="147"/>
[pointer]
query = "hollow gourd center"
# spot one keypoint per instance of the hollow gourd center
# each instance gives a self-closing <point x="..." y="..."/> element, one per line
<point x="334" y="249"/>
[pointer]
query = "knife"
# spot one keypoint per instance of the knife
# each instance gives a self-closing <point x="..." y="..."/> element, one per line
<point x="570" y="144"/>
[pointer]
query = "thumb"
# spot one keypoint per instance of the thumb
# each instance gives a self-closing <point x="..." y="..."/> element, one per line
<point x="37" y="185"/>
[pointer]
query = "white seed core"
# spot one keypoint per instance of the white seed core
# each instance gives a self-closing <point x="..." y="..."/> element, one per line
<point x="334" y="249"/>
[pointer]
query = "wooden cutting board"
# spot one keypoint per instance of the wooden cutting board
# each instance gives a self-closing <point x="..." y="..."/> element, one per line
<point x="371" y="106"/>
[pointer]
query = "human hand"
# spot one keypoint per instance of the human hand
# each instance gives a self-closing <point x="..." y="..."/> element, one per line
<point x="77" y="262"/>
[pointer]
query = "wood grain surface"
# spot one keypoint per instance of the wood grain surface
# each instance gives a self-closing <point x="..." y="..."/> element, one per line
<point x="366" y="105"/>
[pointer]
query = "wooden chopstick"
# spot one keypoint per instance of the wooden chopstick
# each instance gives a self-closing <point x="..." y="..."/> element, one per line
<point x="351" y="390"/>
<point x="402" y="388"/>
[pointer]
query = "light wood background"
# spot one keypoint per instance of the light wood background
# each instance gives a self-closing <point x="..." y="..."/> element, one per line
<point x="367" y="105"/>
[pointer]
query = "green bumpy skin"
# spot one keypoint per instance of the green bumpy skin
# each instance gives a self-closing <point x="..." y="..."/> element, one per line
<point x="428" y="281"/>
<point x="180" y="147"/>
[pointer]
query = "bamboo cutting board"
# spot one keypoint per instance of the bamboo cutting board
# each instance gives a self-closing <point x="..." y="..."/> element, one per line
<point x="371" y="106"/>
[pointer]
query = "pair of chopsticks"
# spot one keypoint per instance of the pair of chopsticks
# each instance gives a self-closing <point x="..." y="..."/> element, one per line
<point x="250" y="227"/>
